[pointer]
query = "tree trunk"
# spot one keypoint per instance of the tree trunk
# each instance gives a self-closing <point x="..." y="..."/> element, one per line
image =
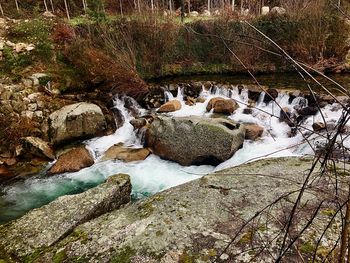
<point x="152" y="5"/>
<point x="17" y="7"/>
<point x="209" y="5"/>
<point x="52" y="8"/>
<point x="46" y="9"/>
<point x="189" y="6"/>
<point x="170" y="6"/>
<point x="121" y="7"/>
<point x="138" y="6"/>
<point x="233" y="5"/>
<point x="182" y="11"/>
<point x="1" y="10"/>
<point x="67" y="11"/>
<point x="345" y="232"/>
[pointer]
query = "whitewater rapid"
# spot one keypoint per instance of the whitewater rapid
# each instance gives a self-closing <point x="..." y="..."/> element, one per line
<point x="154" y="174"/>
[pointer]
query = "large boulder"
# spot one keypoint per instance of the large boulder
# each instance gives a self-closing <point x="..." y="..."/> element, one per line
<point x="43" y="227"/>
<point x="170" y="106"/>
<point x="194" y="140"/>
<point x="120" y="152"/>
<point x="72" y="161"/>
<point x="221" y="105"/>
<point x="77" y="121"/>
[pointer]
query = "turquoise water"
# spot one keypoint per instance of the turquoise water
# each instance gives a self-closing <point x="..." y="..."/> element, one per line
<point x="147" y="177"/>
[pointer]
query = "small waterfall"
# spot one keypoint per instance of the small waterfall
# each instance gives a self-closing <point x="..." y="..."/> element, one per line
<point x="168" y="95"/>
<point x="127" y="108"/>
<point x="261" y="98"/>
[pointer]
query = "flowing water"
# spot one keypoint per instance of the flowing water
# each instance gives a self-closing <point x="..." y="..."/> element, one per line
<point x="154" y="174"/>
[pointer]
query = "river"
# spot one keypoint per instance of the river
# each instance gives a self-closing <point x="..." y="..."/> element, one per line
<point x="154" y="174"/>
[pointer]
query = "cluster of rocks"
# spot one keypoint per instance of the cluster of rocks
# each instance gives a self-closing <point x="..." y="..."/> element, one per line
<point x="69" y="123"/>
<point x="24" y="99"/>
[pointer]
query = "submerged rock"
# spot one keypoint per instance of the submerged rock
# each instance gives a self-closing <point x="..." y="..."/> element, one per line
<point x="194" y="140"/>
<point x="72" y="161"/>
<point x="170" y="106"/>
<point x="120" y="152"/>
<point x="77" y="121"/>
<point x="221" y="105"/>
<point x="43" y="227"/>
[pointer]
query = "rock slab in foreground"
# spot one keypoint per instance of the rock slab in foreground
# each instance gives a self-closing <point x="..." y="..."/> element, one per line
<point x="194" y="140"/>
<point x="194" y="222"/>
<point x="77" y="121"/>
<point x="42" y="227"/>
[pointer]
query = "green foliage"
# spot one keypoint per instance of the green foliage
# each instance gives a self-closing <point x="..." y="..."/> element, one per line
<point x="37" y="32"/>
<point x="60" y="257"/>
<point x="33" y="31"/>
<point x="96" y="10"/>
<point x="14" y="62"/>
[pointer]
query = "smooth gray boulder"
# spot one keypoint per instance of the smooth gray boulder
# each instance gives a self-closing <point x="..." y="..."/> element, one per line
<point x="43" y="227"/>
<point x="194" y="222"/>
<point x="194" y="140"/>
<point x="76" y="121"/>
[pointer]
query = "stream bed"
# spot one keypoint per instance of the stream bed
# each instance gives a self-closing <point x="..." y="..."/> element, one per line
<point x="154" y="174"/>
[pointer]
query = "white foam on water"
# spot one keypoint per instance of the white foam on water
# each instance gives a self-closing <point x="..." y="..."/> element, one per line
<point x="124" y="134"/>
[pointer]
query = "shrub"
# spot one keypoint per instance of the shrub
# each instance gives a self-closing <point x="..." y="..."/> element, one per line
<point x="12" y="129"/>
<point x="63" y="34"/>
<point x="109" y="73"/>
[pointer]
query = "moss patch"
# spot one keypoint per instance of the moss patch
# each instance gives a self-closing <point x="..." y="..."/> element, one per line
<point x="125" y="255"/>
